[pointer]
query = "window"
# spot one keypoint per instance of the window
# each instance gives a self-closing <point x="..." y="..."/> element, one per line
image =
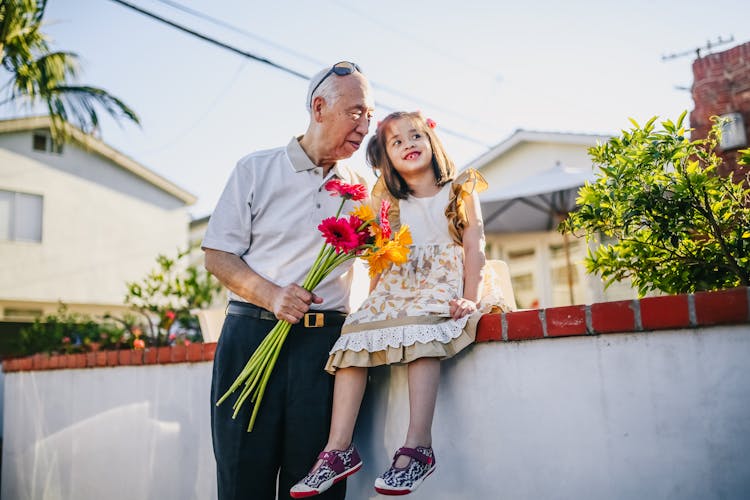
<point x="20" y="216"/>
<point x="520" y="253"/>
<point x="558" y="250"/>
<point x="42" y="141"/>
<point x="18" y="314"/>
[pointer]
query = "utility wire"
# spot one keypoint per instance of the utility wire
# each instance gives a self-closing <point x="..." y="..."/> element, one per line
<point x="231" y="27"/>
<point x="211" y="40"/>
<point x="266" y="61"/>
<point x="208" y="109"/>
<point x="409" y="36"/>
<point x="379" y="86"/>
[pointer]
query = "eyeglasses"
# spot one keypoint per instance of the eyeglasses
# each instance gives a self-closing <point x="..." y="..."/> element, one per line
<point x="342" y="68"/>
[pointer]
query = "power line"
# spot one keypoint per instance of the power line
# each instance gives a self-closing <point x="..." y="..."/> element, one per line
<point x="379" y="86"/>
<point x="211" y="40"/>
<point x="408" y="35"/>
<point x="231" y="27"/>
<point x="208" y="109"/>
<point x="264" y="60"/>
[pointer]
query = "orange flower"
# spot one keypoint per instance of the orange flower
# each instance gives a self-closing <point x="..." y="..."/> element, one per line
<point x="359" y="235"/>
<point x="139" y="344"/>
<point x="363" y="212"/>
<point x="403" y="236"/>
<point x="393" y="251"/>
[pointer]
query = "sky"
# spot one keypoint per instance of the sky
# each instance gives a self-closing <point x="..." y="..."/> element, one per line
<point x="480" y="69"/>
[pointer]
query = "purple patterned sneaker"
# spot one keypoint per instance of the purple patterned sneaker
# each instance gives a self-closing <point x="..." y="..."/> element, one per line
<point x="404" y="480"/>
<point x="337" y="464"/>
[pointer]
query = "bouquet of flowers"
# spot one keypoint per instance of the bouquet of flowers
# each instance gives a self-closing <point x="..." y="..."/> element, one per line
<point x="363" y="234"/>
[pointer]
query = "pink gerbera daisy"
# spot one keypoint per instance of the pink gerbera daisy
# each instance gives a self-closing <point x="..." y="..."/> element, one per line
<point x="354" y="192"/>
<point x="385" y="225"/>
<point x="341" y="233"/>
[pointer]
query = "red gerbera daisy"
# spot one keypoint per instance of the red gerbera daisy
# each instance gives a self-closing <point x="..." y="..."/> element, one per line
<point x="341" y="233"/>
<point x="354" y="192"/>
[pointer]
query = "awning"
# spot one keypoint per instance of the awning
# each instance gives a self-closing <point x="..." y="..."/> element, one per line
<point x="534" y="203"/>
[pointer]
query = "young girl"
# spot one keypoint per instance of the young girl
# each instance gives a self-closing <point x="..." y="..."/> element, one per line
<point x="417" y="313"/>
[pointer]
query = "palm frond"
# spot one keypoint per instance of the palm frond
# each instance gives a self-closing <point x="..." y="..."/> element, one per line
<point x="38" y="75"/>
<point x="78" y="105"/>
<point x="20" y="22"/>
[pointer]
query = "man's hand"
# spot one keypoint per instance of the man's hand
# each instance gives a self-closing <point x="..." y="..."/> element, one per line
<point x="461" y="307"/>
<point x="290" y="303"/>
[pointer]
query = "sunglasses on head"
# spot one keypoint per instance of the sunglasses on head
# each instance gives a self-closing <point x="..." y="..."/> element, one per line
<point x="342" y="68"/>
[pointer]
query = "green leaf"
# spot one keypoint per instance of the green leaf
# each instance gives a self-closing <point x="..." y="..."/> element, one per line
<point x="659" y="194"/>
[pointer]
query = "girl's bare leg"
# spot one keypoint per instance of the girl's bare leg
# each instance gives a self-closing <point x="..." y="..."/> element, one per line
<point x="348" y="390"/>
<point x="424" y="378"/>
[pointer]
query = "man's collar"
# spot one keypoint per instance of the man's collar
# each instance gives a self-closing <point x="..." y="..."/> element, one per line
<point x="298" y="157"/>
<point x="301" y="162"/>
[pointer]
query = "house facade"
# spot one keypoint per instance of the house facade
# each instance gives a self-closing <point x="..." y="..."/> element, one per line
<point x="546" y="267"/>
<point x="77" y="222"/>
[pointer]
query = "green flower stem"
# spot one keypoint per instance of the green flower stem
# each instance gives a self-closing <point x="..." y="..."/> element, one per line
<point x="257" y="372"/>
<point x="314" y="266"/>
<point x="273" y="351"/>
<point x="315" y="276"/>
<point x="264" y="382"/>
<point x="253" y="363"/>
<point x="338" y="212"/>
<point x="253" y="375"/>
<point x="270" y="353"/>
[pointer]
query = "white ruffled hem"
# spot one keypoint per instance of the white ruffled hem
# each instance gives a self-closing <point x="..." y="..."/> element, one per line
<point x="400" y="336"/>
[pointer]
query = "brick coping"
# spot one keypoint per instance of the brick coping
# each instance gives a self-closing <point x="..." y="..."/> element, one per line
<point x="638" y="315"/>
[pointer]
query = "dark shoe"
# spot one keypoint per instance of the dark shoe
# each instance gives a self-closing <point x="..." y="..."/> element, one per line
<point x="404" y="480"/>
<point x="337" y="465"/>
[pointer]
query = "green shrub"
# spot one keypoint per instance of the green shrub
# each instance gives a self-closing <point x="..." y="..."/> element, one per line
<point x="68" y="332"/>
<point x="167" y="294"/>
<point x="676" y="225"/>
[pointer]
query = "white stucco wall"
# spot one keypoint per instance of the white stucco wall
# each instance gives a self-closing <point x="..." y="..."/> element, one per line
<point x="118" y="433"/>
<point x="627" y="416"/>
<point x="102" y="226"/>
<point x="2" y="400"/>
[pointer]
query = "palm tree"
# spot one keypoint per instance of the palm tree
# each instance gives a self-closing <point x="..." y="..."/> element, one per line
<point x="38" y="75"/>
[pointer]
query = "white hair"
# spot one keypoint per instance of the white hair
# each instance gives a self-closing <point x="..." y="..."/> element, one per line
<point x="328" y="90"/>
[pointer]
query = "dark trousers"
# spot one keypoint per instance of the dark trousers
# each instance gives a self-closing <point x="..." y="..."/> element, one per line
<point x="292" y="424"/>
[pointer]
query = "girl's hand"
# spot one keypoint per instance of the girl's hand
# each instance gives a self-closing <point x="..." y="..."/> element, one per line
<point x="461" y="307"/>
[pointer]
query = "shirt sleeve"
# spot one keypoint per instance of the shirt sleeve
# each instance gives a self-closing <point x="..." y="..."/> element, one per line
<point x="229" y="227"/>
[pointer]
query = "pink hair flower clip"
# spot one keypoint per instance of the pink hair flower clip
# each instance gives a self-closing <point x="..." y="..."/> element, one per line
<point x="430" y="123"/>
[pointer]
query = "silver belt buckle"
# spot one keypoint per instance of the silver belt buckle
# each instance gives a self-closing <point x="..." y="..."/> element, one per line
<point x="318" y="320"/>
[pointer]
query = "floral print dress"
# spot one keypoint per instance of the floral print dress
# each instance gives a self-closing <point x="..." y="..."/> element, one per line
<point x="407" y="315"/>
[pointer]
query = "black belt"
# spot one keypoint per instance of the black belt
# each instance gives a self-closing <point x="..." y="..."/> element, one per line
<point x="312" y="319"/>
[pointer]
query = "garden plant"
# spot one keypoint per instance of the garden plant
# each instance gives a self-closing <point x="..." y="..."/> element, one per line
<point x="664" y="217"/>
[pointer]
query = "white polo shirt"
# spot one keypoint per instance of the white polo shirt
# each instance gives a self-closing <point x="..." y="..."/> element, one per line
<point x="269" y="213"/>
